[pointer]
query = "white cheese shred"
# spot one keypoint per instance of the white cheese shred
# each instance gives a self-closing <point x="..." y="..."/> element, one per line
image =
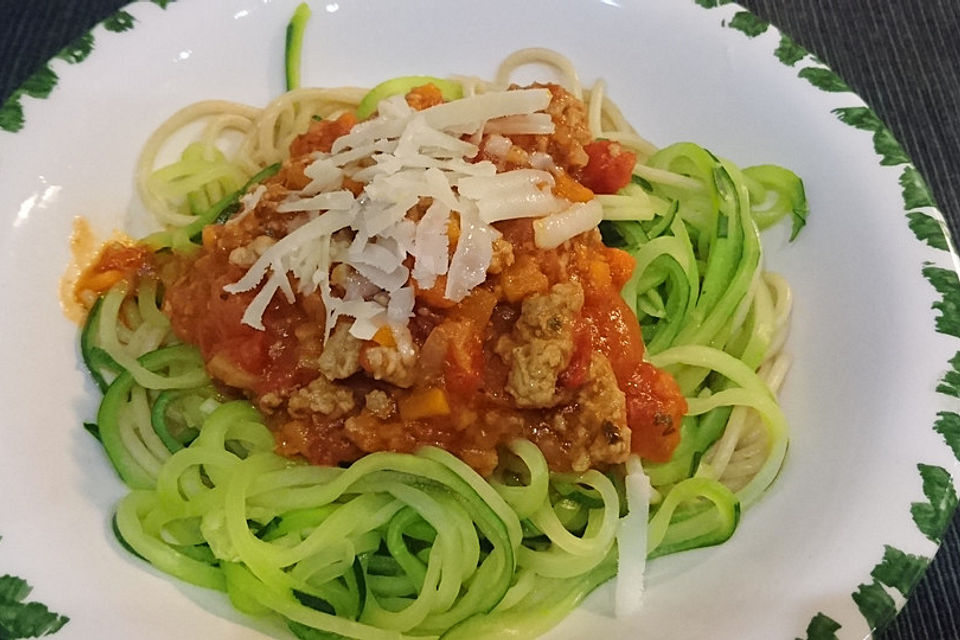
<point x="632" y="542"/>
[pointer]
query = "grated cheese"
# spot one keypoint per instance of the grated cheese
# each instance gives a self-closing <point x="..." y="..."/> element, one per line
<point x="402" y="157"/>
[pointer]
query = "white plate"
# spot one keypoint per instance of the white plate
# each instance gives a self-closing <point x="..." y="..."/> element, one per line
<point x="870" y="350"/>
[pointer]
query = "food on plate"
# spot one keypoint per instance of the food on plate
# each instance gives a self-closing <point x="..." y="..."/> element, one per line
<point x="436" y="358"/>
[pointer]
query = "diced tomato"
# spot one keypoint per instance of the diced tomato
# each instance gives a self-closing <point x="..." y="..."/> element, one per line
<point x="609" y="168"/>
<point x="465" y="362"/>
<point x="476" y="308"/>
<point x="621" y="266"/>
<point x="523" y="278"/>
<point x="655" y="406"/>
<point x="463" y="368"/>
<point x="655" y="409"/>
<point x="566" y="187"/>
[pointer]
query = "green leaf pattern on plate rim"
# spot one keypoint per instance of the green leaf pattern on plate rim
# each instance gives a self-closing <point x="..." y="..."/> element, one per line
<point x="19" y="619"/>
<point x="896" y="570"/>
<point x="44" y="80"/>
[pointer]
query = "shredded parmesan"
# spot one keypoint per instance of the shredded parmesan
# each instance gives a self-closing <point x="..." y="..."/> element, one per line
<point x="410" y="161"/>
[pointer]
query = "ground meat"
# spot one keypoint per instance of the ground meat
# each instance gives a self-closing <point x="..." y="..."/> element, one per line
<point x="536" y="352"/>
<point x="389" y="364"/>
<point x="321" y="396"/>
<point x="341" y="353"/>
<point x="540" y="345"/>
<point x="599" y="422"/>
<point x="247" y="255"/>
<point x="380" y="404"/>
<point x="502" y="256"/>
<point x="565" y="144"/>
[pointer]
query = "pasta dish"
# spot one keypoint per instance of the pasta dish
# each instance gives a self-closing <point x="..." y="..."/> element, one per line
<point x="439" y="357"/>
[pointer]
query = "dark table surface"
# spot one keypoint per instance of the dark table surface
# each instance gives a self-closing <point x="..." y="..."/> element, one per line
<point x="901" y="56"/>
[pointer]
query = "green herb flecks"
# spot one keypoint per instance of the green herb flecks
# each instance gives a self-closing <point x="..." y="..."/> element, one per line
<point x="11" y="113"/>
<point x="950" y="383"/>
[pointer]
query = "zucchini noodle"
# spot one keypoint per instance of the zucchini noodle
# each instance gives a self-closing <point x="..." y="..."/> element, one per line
<point x="420" y="545"/>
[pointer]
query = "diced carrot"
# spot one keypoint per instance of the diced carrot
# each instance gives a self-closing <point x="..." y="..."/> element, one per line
<point x="433" y="297"/>
<point x="100" y="282"/>
<point x="209" y="237"/>
<point x="523" y="278"/>
<point x="424" y="96"/>
<point x="566" y="187"/>
<point x="600" y="276"/>
<point x="117" y="261"/>
<point x="384" y="337"/>
<point x="453" y="231"/>
<point x="476" y="308"/>
<point x="423" y="404"/>
<point x="621" y="266"/>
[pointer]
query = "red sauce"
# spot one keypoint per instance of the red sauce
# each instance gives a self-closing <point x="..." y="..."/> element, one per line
<point x="458" y="343"/>
<point x="655" y="405"/>
<point x="117" y="261"/>
<point x="203" y="314"/>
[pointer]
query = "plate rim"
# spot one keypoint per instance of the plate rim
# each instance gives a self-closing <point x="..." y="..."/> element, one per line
<point x="897" y="571"/>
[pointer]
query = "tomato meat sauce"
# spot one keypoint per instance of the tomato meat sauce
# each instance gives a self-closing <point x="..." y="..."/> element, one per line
<point x="544" y="349"/>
